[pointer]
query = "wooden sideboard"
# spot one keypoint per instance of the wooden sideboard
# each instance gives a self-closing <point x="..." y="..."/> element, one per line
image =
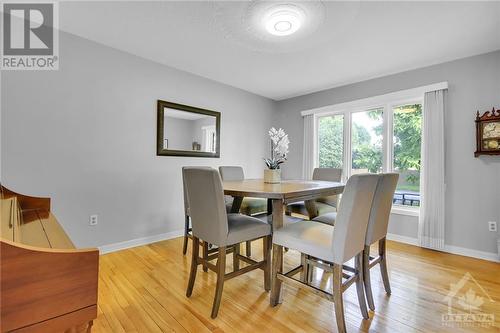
<point x="46" y="284"/>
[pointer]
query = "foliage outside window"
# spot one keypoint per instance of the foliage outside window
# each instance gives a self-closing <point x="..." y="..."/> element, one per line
<point x="367" y="145"/>
<point x="331" y="141"/>
<point x="407" y="124"/>
<point x="367" y="141"/>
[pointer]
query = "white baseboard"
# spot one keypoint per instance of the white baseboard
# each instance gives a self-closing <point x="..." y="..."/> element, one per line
<point x="490" y="256"/>
<point x="139" y="241"/>
<point x="402" y="239"/>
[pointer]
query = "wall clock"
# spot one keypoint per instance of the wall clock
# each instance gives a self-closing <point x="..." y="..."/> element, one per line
<point x="488" y="133"/>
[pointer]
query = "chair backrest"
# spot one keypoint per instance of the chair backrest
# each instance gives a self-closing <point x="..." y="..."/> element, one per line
<point x="205" y="196"/>
<point x="352" y="217"/>
<point x="186" y="204"/>
<point x="328" y="174"/>
<point x="381" y="208"/>
<point x="231" y="173"/>
<point x="331" y="175"/>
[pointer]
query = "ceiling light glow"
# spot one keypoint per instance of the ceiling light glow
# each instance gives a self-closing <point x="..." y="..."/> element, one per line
<point x="283" y="20"/>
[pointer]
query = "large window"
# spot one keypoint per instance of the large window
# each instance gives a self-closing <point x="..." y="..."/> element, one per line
<point x="386" y="138"/>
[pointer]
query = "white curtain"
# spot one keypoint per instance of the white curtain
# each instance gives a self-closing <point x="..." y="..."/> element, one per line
<point x="308" y="151"/>
<point x="432" y="186"/>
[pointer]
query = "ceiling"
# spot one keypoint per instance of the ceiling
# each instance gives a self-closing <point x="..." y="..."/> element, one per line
<point x="342" y="43"/>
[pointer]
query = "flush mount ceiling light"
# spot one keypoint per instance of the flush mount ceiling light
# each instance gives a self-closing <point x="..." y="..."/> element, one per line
<point x="283" y="20"/>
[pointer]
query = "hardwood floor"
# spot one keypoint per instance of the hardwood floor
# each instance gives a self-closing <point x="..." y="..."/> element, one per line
<point x="143" y="290"/>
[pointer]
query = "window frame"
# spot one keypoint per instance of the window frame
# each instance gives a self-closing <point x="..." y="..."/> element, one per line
<point x="387" y="107"/>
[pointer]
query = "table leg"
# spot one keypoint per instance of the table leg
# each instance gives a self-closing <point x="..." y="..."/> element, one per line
<point x="235" y="208"/>
<point x="276" y="286"/>
<point x="312" y="211"/>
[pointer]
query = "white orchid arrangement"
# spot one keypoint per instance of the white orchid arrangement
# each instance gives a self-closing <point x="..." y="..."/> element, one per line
<point x="279" y="148"/>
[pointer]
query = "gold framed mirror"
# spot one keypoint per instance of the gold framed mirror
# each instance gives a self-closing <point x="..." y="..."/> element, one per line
<point x="184" y="130"/>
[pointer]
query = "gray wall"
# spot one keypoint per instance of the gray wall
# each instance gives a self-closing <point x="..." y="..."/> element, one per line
<point x="473" y="184"/>
<point x="86" y="137"/>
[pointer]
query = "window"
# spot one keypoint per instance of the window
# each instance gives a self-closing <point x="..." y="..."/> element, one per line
<point x="407" y="132"/>
<point x="383" y="138"/>
<point x="366" y="141"/>
<point x="209" y="142"/>
<point x="331" y="141"/>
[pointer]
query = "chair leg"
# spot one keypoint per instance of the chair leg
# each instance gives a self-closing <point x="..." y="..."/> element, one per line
<point x="205" y="256"/>
<point x="221" y="270"/>
<point x="277" y="267"/>
<point x="248" y="249"/>
<point x="267" y="258"/>
<point x="194" y="265"/>
<point x="337" y="298"/>
<point x="304" y="274"/>
<point x="186" y="231"/>
<point x="236" y="260"/>
<point x="359" y="285"/>
<point x="383" y="265"/>
<point x="366" y="277"/>
<point x="310" y="271"/>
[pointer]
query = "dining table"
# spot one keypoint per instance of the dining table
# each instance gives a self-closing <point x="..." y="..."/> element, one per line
<point x="279" y="195"/>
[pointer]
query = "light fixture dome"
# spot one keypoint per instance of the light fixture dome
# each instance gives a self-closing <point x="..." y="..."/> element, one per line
<point x="283" y="20"/>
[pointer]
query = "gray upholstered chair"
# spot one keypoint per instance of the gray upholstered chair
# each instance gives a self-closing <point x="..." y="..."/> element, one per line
<point x="327" y="246"/>
<point x="187" y="227"/>
<point x="211" y="223"/>
<point x="377" y="231"/>
<point x="322" y="205"/>
<point x="249" y="206"/>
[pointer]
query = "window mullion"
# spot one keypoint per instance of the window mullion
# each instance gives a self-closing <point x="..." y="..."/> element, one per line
<point x="390" y="139"/>
<point x="347" y="145"/>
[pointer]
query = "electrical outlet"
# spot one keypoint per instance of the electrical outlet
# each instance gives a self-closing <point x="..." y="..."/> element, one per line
<point x="93" y="220"/>
<point x="492" y="226"/>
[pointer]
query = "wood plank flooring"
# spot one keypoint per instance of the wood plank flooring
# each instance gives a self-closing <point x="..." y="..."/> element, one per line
<point x="143" y="290"/>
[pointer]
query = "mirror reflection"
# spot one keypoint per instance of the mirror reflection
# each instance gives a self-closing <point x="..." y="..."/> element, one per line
<point x="189" y="131"/>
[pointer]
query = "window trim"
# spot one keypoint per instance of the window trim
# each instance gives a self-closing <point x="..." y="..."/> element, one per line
<point x="387" y="138"/>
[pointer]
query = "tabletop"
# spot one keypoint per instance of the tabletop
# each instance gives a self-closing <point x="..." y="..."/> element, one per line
<point x="287" y="190"/>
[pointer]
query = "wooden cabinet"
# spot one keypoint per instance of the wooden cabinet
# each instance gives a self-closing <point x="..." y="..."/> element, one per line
<point x="46" y="284"/>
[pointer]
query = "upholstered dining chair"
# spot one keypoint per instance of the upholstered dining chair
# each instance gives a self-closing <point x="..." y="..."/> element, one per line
<point x="322" y="205"/>
<point x="377" y="231"/>
<point x="249" y="206"/>
<point x="327" y="246"/>
<point x="211" y="223"/>
<point x="187" y="219"/>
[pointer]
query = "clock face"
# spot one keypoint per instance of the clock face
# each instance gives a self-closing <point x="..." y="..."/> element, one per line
<point x="491" y="130"/>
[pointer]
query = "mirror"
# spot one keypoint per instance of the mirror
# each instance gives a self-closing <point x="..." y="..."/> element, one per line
<point x="187" y="131"/>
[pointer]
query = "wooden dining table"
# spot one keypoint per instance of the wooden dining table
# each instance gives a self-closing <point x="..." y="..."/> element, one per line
<point x="279" y="195"/>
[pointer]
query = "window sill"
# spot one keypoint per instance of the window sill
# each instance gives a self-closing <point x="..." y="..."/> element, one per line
<point x="408" y="211"/>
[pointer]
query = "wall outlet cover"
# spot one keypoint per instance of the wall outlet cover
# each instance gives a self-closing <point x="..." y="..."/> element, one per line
<point x="492" y="226"/>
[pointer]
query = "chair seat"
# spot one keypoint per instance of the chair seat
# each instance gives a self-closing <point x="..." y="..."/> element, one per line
<point x="308" y="237"/>
<point x="243" y="228"/>
<point x="250" y="206"/>
<point x="300" y="208"/>
<point x="328" y="218"/>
